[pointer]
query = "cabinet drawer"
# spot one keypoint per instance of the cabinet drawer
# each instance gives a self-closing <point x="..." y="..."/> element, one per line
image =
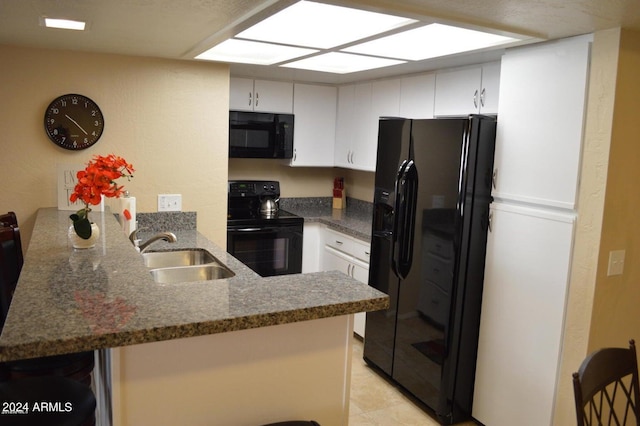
<point x="361" y="250"/>
<point x="338" y="241"/>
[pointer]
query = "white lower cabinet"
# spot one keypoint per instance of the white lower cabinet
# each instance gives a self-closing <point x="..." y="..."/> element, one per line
<point x="311" y="248"/>
<point x="523" y="307"/>
<point x="351" y="256"/>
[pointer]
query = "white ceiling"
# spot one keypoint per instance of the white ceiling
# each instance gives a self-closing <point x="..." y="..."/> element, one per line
<point x="180" y="29"/>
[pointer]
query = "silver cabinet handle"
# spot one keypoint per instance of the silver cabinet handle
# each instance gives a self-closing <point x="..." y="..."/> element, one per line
<point x="349" y="269"/>
<point x="475" y="99"/>
<point x="257" y="98"/>
<point x="338" y="242"/>
<point x="250" y="98"/>
<point x="482" y="95"/>
<point x="295" y="154"/>
<point x="494" y="179"/>
<point x="490" y="221"/>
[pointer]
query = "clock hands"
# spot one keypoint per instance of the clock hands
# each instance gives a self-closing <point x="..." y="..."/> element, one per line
<point x="76" y="123"/>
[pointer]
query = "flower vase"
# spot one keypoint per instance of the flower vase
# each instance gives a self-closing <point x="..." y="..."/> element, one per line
<point x="79" y="242"/>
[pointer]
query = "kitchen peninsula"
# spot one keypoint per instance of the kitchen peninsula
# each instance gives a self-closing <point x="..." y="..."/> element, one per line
<point x="243" y="350"/>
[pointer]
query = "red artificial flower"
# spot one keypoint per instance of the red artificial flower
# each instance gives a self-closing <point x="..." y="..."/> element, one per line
<point x="99" y="177"/>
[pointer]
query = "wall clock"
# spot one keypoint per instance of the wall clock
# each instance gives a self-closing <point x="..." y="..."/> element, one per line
<point x="73" y="122"/>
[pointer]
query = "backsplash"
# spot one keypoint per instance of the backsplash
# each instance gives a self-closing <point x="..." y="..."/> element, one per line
<point x="354" y="206"/>
<point x="167" y="221"/>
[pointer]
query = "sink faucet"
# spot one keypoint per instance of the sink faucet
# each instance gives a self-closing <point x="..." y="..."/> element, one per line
<point x="169" y="237"/>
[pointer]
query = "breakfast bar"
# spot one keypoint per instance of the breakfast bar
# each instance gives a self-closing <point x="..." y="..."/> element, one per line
<point x="238" y="350"/>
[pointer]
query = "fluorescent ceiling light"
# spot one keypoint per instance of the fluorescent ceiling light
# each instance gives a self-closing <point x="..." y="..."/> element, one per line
<point x="321" y="25"/>
<point x="341" y="63"/>
<point x="251" y="52"/>
<point x="65" y="24"/>
<point x="429" y="41"/>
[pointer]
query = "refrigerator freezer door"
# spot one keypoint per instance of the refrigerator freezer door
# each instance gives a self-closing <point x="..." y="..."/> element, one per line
<point x="393" y="152"/>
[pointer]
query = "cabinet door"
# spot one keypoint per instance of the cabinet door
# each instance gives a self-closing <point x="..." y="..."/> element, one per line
<point x="525" y="285"/>
<point x="273" y="96"/>
<point x="458" y="92"/>
<point x="315" y="125"/>
<point x="364" y="143"/>
<point x="385" y="101"/>
<point x="360" y="271"/>
<point x="241" y="94"/>
<point x="417" y="94"/>
<point x="490" y="90"/>
<point x="334" y="260"/>
<point x="311" y="248"/>
<point x="344" y="125"/>
<point x="540" y="122"/>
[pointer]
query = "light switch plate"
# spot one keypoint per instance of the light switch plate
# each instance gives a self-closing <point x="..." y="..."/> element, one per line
<point x="169" y="202"/>
<point x="616" y="262"/>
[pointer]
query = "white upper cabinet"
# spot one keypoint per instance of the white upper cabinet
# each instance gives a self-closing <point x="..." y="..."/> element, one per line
<point x="540" y="122"/>
<point x="385" y="100"/>
<point x="417" y="95"/>
<point x="469" y="90"/>
<point x="360" y="107"/>
<point x="314" y="107"/>
<point x="344" y="125"/>
<point x="260" y="95"/>
<point x="356" y="134"/>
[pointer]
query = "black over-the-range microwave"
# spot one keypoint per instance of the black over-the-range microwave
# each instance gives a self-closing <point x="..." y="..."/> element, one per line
<point x="260" y="135"/>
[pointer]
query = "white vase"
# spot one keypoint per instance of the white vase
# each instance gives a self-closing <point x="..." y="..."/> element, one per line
<point x="81" y="243"/>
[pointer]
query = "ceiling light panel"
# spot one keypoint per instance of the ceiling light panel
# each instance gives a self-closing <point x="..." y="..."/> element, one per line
<point x="321" y="26"/>
<point x="430" y="41"/>
<point x="65" y="24"/>
<point x="251" y="52"/>
<point x="341" y="63"/>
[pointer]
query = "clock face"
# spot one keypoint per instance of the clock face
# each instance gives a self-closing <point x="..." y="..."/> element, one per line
<point x="73" y="122"/>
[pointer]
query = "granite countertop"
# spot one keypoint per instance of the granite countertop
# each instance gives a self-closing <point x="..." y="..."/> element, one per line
<point x="355" y="220"/>
<point x="75" y="300"/>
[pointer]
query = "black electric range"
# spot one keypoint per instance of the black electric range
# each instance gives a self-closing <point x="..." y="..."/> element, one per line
<point x="269" y="244"/>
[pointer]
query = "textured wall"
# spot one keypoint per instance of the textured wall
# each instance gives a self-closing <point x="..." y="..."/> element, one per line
<point x="615" y="310"/>
<point x="597" y="139"/>
<point x="303" y="181"/>
<point x="168" y="118"/>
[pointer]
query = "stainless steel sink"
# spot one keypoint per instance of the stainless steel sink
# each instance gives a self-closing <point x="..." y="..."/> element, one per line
<point x="178" y="266"/>
<point x="191" y="273"/>
<point x="167" y="259"/>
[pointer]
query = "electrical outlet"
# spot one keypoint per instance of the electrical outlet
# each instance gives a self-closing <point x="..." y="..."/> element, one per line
<point x="169" y="202"/>
<point x="616" y="263"/>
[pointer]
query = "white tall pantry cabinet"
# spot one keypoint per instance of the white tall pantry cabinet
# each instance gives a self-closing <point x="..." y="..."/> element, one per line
<point x="537" y="162"/>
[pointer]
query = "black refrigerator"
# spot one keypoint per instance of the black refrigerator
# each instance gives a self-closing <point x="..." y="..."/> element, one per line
<point x="430" y="221"/>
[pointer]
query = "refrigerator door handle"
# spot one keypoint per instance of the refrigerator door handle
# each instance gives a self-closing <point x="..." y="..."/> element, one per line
<point x="406" y="200"/>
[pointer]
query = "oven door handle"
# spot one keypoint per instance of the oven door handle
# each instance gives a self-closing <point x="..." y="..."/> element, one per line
<point x="265" y="229"/>
<point x="247" y="229"/>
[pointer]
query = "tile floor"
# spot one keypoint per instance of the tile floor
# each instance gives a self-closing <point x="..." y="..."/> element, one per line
<point x="376" y="402"/>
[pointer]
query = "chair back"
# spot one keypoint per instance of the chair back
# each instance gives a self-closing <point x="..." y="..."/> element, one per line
<point x="606" y="388"/>
<point x="10" y="266"/>
<point x="8" y="219"/>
